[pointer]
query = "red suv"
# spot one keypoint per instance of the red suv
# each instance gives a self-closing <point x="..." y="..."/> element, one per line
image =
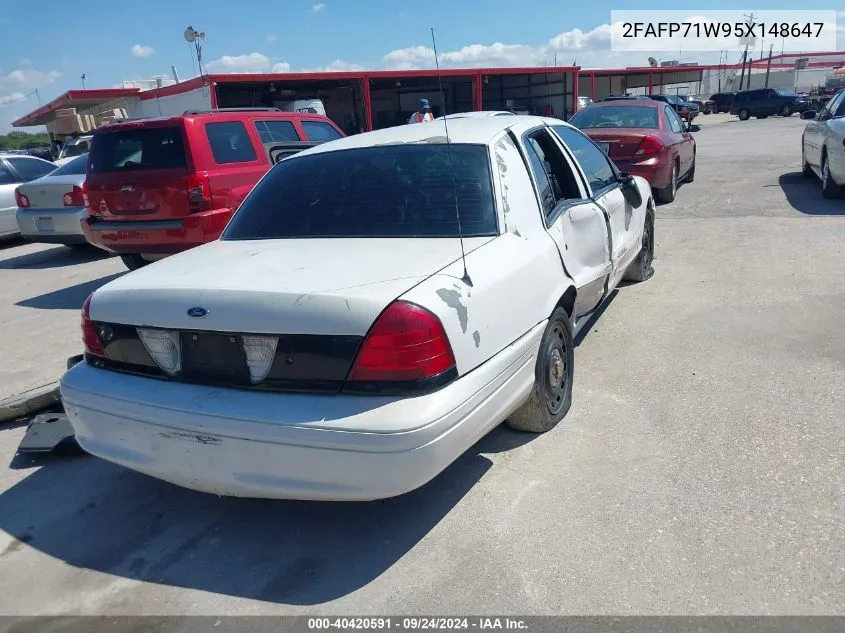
<point x="155" y="187"/>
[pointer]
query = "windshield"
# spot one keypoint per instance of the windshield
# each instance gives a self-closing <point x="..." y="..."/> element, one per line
<point x="74" y="167"/>
<point x="785" y="92"/>
<point x="385" y="191"/>
<point x="616" y="116"/>
<point x="138" y="148"/>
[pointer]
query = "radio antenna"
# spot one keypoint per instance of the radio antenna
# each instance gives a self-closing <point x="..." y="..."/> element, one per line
<point x="466" y="279"/>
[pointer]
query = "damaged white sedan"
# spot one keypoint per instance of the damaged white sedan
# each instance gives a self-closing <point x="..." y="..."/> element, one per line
<point x="375" y="306"/>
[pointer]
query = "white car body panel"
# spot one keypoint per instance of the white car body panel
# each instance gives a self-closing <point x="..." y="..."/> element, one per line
<point x="339" y="446"/>
<point x="46" y="203"/>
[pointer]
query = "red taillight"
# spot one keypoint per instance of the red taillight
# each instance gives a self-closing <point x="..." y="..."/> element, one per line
<point x="85" y="194"/>
<point x="648" y="146"/>
<point x="406" y="343"/>
<point x="92" y="342"/>
<point x="199" y="192"/>
<point x="74" y="198"/>
<point x="21" y="200"/>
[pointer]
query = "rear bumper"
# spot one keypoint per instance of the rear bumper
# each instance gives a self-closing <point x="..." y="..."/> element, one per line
<point x="64" y="225"/>
<point x="292" y="446"/>
<point x="165" y="237"/>
<point x="656" y="170"/>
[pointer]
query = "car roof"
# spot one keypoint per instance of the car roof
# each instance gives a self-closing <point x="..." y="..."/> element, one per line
<point x="14" y="155"/>
<point x="192" y="115"/>
<point x="472" y="130"/>
<point x="476" y="114"/>
<point x="616" y="103"/>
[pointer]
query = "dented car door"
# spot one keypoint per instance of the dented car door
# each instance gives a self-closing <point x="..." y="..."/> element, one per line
<point x="577" y="225"/>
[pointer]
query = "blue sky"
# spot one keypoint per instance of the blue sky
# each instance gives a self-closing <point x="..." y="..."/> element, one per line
<point x="120" y="41"/>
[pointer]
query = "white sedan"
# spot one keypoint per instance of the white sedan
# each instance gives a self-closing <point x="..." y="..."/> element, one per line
<point x="376" y="305"/>
<point x="823" y="145"/>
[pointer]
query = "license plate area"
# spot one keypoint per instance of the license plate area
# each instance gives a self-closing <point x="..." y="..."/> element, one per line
<point x="44" y="225"/>
<point x="214" y="358"/>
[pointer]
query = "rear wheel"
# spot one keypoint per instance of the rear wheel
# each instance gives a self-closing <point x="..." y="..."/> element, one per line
<point x="641" y="268"/>
<point x="551" y="395"/>
<point x="829" y="187"/>
<point x="786" y="110"/>
<point x="744" y="115"/>
<point x="667" y="194"/>
<point x="134" y="261"/>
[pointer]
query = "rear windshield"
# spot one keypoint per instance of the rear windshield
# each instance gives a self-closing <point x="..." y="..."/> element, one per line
<point x="616" y="116"/>
<point x="386" y="191"/>
<point x="72" y="167"/>
<point x="138" y="148"/>
<point x="785" y="92"/>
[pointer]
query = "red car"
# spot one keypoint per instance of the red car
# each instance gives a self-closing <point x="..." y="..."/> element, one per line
<point x="644" y="138"/>
<point x="155" y="187"/>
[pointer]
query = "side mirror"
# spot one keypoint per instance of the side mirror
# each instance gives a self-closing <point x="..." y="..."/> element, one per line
<point x="630" y="190"/>
<point x="809" y="114"/>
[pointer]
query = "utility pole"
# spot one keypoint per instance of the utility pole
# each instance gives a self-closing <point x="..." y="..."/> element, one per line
<point x="748" y="42"/>
<point x="720" y="72"/>
<point x="769" y="65"/>
<point x="83" y="80"/>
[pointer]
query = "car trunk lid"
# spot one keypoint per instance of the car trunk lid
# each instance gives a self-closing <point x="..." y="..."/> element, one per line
<point x="619" y="143"/>
<point x="48" y="192"/>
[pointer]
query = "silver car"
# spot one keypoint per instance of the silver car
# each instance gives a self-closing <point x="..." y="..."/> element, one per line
<point x="52" y="208"/>
<point x="14" y="170"/>
<point x="822" y="149"/>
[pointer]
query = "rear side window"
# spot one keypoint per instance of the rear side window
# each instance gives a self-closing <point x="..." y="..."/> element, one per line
<point x="137" y="149"/>
<point x="673" y="120"/>
<point x="230" y="142"/>
<point x="387" y="191"/>
<point x="273" y="131"/>
<point x="318" y="131"/>
<point x="6" y="177"/>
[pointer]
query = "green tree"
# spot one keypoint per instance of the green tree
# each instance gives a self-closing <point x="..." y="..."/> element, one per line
<point x="23" y="140"/>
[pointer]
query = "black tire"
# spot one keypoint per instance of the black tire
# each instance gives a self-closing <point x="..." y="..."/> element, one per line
<point x="805" y="166"/>
<point x="786" y="110"/>
<point x="641" y="268"/>
<point x="690" y="177"/>
<point x="667" y="194"/>
<point x="829" y="187"/>
<point x="551" y="395"/>
<point x="134" y="261"/>
<point x="744" y="115"/>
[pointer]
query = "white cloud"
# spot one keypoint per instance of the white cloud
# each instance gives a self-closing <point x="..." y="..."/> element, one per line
<point x="139" y="50"/>
<point x="26" y="62"/>
<point x="409" y="58"/>
<point x="248" y="63"/>
<point x="5" y="100"/>
<point x="271" y="37"/>
<point x="317" y="8"/>
<point x="337" y="66"/>
<point x="28" y="78"/>
<point x="281" y="67"/>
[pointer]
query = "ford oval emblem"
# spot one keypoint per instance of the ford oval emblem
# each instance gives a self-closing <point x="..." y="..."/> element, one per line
<point x="197" y="312"/>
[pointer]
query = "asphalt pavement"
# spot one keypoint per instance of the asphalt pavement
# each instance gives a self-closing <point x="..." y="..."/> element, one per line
<point x="699" y="471"/>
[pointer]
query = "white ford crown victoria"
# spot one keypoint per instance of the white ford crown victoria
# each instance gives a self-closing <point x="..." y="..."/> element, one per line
<point x="334" y="343"/>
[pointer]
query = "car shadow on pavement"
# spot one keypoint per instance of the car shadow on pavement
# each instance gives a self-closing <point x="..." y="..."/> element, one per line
<point x="70" y="298"/>
<point x="590" y="324"/>
<point x="55" y="257"/>
<point x="94" y="515"/>
<point x="804" y="194"/>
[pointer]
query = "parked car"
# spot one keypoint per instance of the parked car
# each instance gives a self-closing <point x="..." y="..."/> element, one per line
<point x="723" y="101"/>
<point x="51" y="209"/>
<point x="687" y="111"/>
<point x="625" y="97"/>
<point x="476" y="114"/>
<point x="705" y="106"/>
<point x="646" y="138"/>
<point x="73" y="147"/>
<point x="583" y="101"/>
<point x="160" y="186"/>
<point x="16" y="169"/>
<point x="334" y="343"/>
<point x="764" y="102"/>
<point x="822" y="151"/>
